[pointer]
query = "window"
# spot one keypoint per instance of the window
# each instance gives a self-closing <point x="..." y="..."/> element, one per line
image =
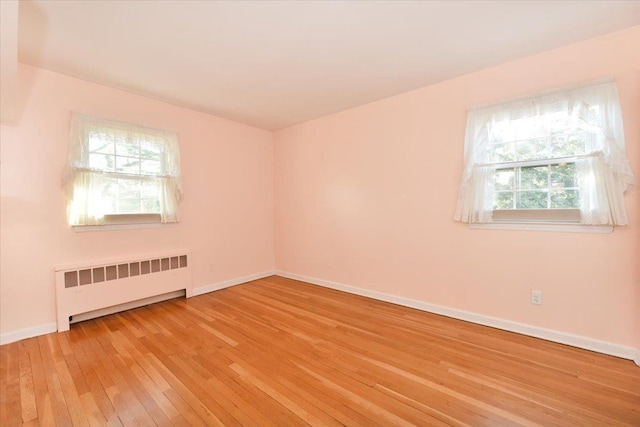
<point x="540" y="186"/>
<point x="557" y="157"/>
<point x="121" y="173"/>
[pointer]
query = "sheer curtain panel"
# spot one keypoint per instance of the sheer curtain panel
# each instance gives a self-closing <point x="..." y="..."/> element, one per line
<point x="118" y="168"/>
<point x="572" y="139"/>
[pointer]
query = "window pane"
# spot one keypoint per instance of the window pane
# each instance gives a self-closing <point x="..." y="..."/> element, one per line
<point x="103" y="162"/>
<point x="150" y="190"/>
<point x="104" y="195"/>
<point x="108" y="206"/>
<point x="564" y="199"/>
<point x="128" y="189"/>
<point x="532" y="149"/>
<point x="533" y="177"/>
<point x="528" y="128"/>
<point x="130" y="165"/>
<point x="564" y="145"/>
<point x="124" y="148"/>
<point x="109" y="188"/>
<point x="502" y="131"/>
<point x="563" y="175"/>
<point x="128" y="206"/>
<point x="504" y="179"/>
<point x="151" y="167"/>
<point x="500" y="153"/>
<point x="504" y="200"/>
<point x="150" y="150"/>
<point x="99" y="145"/>
<point x="123" y="196"/>
<point x="532" y="200"/>
<point x="151" y="206"/>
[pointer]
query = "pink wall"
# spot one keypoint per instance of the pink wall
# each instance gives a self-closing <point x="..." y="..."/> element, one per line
<point x="637" y="197"/>
<point x="366" y="198"/>
<point x="227" y="212"/>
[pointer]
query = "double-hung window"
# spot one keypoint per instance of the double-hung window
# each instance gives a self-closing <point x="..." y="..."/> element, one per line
<point x="552" y="158"/>
<point x="119" y="172"/>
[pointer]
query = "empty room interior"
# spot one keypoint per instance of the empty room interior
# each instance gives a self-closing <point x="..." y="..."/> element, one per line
<point x="279" y="213"/>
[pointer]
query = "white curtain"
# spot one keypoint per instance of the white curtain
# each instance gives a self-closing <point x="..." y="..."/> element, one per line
<point x="603" y="169"/>
<point x="85" y="180"/>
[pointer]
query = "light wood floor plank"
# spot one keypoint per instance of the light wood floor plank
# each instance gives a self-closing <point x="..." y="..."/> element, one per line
<point x="277" y="352"/>
<point x="55" y="394"/>
<point x="11" y="410"/>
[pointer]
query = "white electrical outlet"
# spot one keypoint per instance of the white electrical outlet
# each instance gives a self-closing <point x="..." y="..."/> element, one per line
<point x="536" y="297"/>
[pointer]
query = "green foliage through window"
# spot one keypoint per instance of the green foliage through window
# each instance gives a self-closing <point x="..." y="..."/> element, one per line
<point x="136" y="189"/>
<point x="552" y="186"/>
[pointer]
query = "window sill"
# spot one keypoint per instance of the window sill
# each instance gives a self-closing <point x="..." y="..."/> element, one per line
<point x="107" y="227"/>
<point x="124" y="222"/>
<point x="548" y="226"/>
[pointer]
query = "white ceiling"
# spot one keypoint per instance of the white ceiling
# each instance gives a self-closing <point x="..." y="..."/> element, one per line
<point x="272" y="64"/>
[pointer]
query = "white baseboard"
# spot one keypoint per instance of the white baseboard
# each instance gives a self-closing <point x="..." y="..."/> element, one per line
<point x="232" y="282"/>
<point x="507" y="325"/>
<point x="13" y="336"/>
<point x="21" y="334"/>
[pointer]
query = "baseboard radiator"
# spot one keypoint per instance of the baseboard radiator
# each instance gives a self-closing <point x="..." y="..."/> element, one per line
<point x="91" y="289"/>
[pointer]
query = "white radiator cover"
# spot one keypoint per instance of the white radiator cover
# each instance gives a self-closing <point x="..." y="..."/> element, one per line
<point x="105" y="284"/>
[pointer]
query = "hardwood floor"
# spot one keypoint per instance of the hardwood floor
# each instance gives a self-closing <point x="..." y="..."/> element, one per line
<point x="281" y="352"/>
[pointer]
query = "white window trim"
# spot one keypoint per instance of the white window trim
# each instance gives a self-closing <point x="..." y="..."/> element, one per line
<point x="92" y="228"/>
<point x="125" y="222"/>
<point x="559" y="216"/>
<point x="557" y="220"/>
<point x="544" y="226"/>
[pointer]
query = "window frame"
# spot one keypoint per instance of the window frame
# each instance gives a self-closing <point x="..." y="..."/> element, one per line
<point x="603" y="171"/>
<point x="543" y="226"/>
<point x="517" y="185"/>
<point x="549" y="214"/>
<point x="114" y="141"/>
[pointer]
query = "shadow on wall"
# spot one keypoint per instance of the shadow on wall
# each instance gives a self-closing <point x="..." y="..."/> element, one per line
<point x="35" y="30"/>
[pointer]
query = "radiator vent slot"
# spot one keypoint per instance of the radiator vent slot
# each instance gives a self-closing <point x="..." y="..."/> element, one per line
<point x="106" y="273"/>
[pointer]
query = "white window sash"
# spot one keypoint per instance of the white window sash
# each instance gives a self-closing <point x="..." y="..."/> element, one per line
<point x="540" y="162"/>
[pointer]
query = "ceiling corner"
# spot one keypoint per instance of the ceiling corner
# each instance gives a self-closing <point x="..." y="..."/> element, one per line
<point x="9" y="111"/>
